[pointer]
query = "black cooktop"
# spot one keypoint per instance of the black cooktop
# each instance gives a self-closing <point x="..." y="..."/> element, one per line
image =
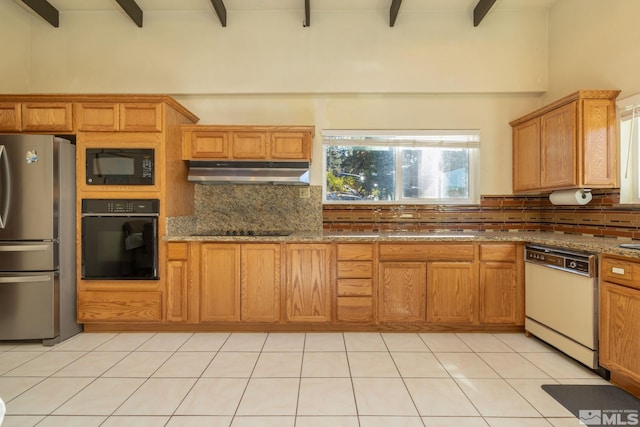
<point x="244" y="233"/>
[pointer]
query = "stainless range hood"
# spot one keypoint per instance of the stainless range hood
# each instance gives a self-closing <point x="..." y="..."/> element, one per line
<point x="248" y="172"/>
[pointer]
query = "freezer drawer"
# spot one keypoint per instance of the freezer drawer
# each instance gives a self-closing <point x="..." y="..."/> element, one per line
<point x="28" y="256"/>
<point x="29" y="306"/>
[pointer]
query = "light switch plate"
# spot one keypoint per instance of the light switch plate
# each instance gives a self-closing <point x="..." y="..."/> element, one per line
<point x="305" y="192"/>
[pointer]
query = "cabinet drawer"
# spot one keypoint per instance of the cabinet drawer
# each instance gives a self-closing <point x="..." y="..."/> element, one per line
<point x="47" y="116"/>
<point x="355" y="309"/>
<point x="10" y="116"/>
<point x="354" y="252"/>
<point x="177" y="251"/>
<point x="505" y="252"/>
<point x="355" y="269"/>
<point x="425" y="252"/>
<point x="620" y="271"/>
<point x="99" y="306"/>
<point x="355" y="287"/>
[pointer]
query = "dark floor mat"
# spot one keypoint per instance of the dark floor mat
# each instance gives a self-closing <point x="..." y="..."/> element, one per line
<point x="597" y="405"/>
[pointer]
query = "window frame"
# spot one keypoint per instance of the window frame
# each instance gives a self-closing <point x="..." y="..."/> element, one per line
<point x="399" y="139"/>
<point x="629" y="128"/>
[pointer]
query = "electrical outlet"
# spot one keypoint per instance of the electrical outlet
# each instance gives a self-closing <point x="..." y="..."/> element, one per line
<point x="305" y="192"/>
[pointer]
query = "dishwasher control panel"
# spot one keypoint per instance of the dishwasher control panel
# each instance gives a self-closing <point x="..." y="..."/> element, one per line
<point x="574" y="262"/>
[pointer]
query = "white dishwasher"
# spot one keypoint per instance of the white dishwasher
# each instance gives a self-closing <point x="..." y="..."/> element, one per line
<point x="561" y="300"/>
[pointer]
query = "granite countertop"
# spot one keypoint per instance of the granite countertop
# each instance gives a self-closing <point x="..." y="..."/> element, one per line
<point x="603" y="245"/>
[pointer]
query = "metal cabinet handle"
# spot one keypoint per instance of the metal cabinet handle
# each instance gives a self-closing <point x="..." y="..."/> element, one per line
<point x="23" y="248"/>
<point x="23" y="279"/>
<point x="617" y="270"/>
<point x="6" y="186"/>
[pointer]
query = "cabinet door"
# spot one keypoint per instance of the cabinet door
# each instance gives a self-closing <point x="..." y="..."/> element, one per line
<point x="499" y="293"/>
<point x="97" y="117"/>
<point x="177" y="282"/>
<point x="220" y="283"/>
<point x="402" y="291"/>
<point x="119" y="306"/>
<point x="558" y="150"/>
<point x="10" y="114"/>
<point x="620" y="330"/>
<point x="450" y="292"/>
<point x="47" y="116"/>
<point x="290" y="145"/>
<point x="599" y="158"/>
<point x="308" y="283"/>
<point x="260" y="282"/>
<point x="249" y="145"/>
<point x="141" y="117"/>
<point x="208" y="145"/>
<point x="526" y="156"/>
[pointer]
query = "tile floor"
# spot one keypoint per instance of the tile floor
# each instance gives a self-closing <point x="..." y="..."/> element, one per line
<point x="286" y="379"/>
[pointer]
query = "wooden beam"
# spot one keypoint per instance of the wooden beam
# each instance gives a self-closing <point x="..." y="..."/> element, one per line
<point x="218" y="5"/>
<point x="45" y="10"/>
<point x="481" y="10"/>
<point x="393" y="12"/>
<point x="133" y="10"/>
<point x="307" y="13"/>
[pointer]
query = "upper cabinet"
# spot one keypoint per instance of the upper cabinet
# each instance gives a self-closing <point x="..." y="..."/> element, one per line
<point x="126" y="117"/>
<point x="36" y="117"/>
<point x="567" y="144"/>
<point x="202" y="142"/>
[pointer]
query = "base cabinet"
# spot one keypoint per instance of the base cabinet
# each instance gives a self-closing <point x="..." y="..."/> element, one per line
<point x="260" y="266"/>
<point x="451" y="294"/>
<point x="308" y="283"/>
<point x="402" y="291"/>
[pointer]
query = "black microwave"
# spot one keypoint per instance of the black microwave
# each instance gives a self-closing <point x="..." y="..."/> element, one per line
<point x="120" y="166"/>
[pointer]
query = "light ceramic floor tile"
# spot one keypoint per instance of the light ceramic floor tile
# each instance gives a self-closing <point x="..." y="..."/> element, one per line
<point x="512" y="365"/>
<point x="364" y="341"/>
<point x="165" y="342"/>
<point x="278" y="365"/>
<point x="12" y="359"/>
<point x="523" y="344"/>
<point x="465" y="365"/>
<point x="439" y="397"/>
<point x="205" y="341"/>
<point x="383" y="396"/>
<point x="246" y="341"/>
<point x="185" y="364"/>
<point x="371" y="364"/>
<point x="46" y="364"/>
<point x="232" y="365"/>
<point x="11" y="387"/>
<point x="255" y="421"/>
<point x="84" y="342"/>
<point x="565" y="422"/>
<point x="71" y="421"/>
<point x="92" y="364"/>
<point x="325" y="364"/>
<point x="102" y="397"/>
<point x="199" y="421"/>
<point x="419" y="365"/>
<point x="404" y="342"/>
<point x="213" y="396"/>
<point x="46" y="396"/>
<point x="366" y="421"/>
<point x="531" y="390"/>
<point x="135" y="421"/>
<point x="325" y="421"/>
<point x="36" y="346"/>
<point x="270" y="396"/>
<point x="22" y="420"/>
<point x="557" y="365"/>
<point x="324" y="341"/>
<point x="454" y="422"/>
<point x="593" y="381"/>
<point x="483" y="342"/>
<point x="139" y="364"/>
<point x="280" y="342"/>
<point x="126" y="341"/>
<point x="496" y="398"/>
<point x="444" y="342"/>
<point x="518" y="422"/>
<point x="326" y="396"/>
<point x="157" y="396"/>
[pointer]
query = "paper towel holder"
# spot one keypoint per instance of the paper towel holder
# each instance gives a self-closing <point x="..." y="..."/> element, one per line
<point x="576" y="196"/>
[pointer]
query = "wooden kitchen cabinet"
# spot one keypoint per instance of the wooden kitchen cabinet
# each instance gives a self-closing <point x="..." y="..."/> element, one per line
<point x="501" y="291"/>
<point x="570" y="143"/>
<point x="451" y="292"/>
<point x="113" y="117"/>
<point x="402" y="287"/>
<point x="620" y="321"/>
<point x="308" y="283"/>
<point x="119" y="306"/>
<point x="178" y="284"/>
<point x="260" y="279"/>
<point x="10" y="113"/>
<point x="354" y="282"/>
<point x="219" y="282"/>
<point x="47" y="116"/>
<point x="291" y="145"/>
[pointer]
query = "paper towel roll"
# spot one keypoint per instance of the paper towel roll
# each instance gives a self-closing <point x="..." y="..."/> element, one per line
<point x="571" y="197"/>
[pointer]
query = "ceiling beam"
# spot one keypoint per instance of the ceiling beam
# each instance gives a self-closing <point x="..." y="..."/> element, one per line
<point x="133" y="10"/>
<point x="481" y="10"/>
<point x="218" y="5"/>
<point x="393" y="12"/>
<point x="307" y="13"/>
<point x="45" y="10"/>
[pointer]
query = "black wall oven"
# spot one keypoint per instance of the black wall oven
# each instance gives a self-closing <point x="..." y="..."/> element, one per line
<point x="120" y="239"/>
<point x="120" y="166"/>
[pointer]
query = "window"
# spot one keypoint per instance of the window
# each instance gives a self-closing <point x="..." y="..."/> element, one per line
<point x="629" y="109"/>
<point x="401" y="166"/>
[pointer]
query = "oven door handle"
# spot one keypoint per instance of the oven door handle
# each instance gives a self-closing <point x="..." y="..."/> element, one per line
<point x="24" y="279"/>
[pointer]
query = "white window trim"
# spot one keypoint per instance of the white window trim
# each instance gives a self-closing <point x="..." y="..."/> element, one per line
<point x="629" y="121"/>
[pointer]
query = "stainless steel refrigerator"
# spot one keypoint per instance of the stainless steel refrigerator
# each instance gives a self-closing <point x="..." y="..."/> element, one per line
<point x="37" y="238"/>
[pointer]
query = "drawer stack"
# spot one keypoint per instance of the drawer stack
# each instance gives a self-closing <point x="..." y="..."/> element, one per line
<point x="354" y="274"/>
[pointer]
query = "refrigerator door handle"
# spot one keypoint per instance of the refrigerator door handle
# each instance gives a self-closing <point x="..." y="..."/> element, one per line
<point x="6" y="186"/>
<point x="23" y="279"/>
<point x="23" y="248"/>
